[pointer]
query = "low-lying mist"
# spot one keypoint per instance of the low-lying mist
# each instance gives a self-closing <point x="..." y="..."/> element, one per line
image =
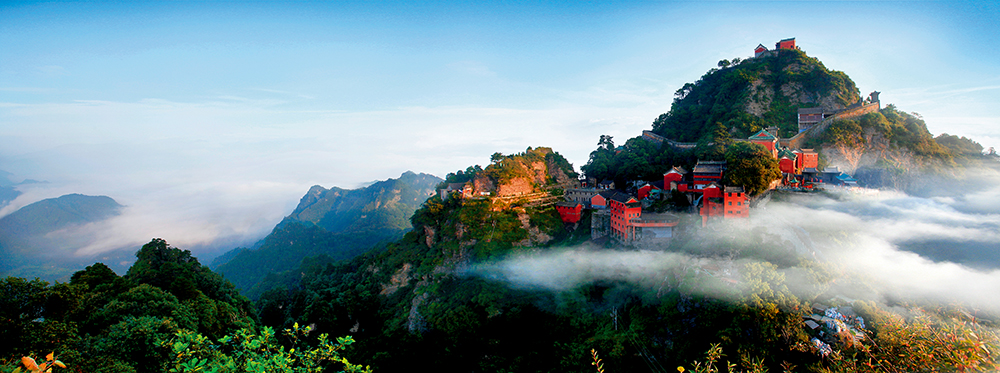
<point x="886" y="246"/>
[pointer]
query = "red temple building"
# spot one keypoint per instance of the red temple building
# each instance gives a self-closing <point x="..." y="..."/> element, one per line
<point x="648" y="189"/>
<point x="766" y="139"/>
<point x="629" y="225"/>
<point x="711" y="205"/>
<point x="569" y="211"/>
<point x="600" y="200"/>
<point x="735" y="201"/>
<point x="674" y="178"/>
<point x="724" y="202"/>
<point x="785" y="44"/>
<point x="761" y="49"/>
<point x="707" y="172"/>
<point x="806" y="158"/>
<point x="787" y="162"/>
<point x="623" y="208"/>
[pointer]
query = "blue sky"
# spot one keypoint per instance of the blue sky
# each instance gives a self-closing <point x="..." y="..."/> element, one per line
<point x="211" y="119"/>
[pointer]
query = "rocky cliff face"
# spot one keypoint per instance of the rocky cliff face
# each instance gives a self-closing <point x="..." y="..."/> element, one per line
<point x="384" y="204"/>
<point x="885" y="148"/>
<point x="534" y="171"/>
<point x="335" y="222"/>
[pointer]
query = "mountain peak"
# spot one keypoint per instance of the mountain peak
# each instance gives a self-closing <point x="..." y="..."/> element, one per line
<point x="743" y="96"/>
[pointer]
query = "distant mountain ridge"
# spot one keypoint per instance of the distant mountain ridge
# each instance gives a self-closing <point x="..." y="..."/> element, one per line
<point x="23" y="233"/>
<point x="339" y="223"/>
<point x="56" y="213"/>
<point x="384" y="204"/>
<point x="7" y="191"/>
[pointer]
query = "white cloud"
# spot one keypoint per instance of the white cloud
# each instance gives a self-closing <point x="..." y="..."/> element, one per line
<point x="190" y="172"/>
<point x="866" y="238"/>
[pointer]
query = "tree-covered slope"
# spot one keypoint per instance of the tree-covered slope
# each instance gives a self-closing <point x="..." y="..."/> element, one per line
<point x="483" y="285"/>
<point x="336" y="222"/>
<point x="744" y="96"/>
<point x="102" y="322"/>
<point x="739" y="98"/>
<point x="408" y="301"/>
<point x="891" y="148"/>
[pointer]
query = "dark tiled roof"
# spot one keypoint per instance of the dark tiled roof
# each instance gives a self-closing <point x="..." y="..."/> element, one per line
<point x="621" y="197"/>
<point x="811" y="110"/>
<point x="709" y="167"/>
<point x="733" y="189"/>
<point x="676" y="169"/>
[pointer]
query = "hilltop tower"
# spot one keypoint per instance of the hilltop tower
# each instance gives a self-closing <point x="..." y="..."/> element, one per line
<point x="785" y="44"/>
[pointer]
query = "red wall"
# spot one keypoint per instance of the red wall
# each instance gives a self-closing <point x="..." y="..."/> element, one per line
<point x="570" y="214"/>
<point x="736" y="205"/>
<point x="620" y="215"/>
<point x="598" y="201"/>
<point x="712" y="192"/>
<point x="644" y="191"/>
<point x="787" y="166"/>
<point x="671" y="176"/>
<point x="809" y="160"/>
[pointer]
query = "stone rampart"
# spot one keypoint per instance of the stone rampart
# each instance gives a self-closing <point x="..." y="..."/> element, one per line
<point x="798" y="140"/>
<point x="795" y="142"/>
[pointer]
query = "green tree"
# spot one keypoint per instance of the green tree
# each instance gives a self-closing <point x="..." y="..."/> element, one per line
<point x="181" y="275"/>
<point x="751" y="166"/>
<point x="607" y="142"/>
<point x="135" y="344"/>
<point x="94" y="275"/>
<point x="247" y="351"/>
<point x="21" y="302"/>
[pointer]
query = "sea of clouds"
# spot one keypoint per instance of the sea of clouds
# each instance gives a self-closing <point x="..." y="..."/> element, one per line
<point x="939" y="246"/>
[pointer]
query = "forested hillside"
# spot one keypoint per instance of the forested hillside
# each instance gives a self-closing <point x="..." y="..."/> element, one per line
<point x="493" y="283"/>
<point x="338" y="223"/>
<point x="100" y="321"/>
<point x="482" y="286"/>
<point x="742" y="97"/>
